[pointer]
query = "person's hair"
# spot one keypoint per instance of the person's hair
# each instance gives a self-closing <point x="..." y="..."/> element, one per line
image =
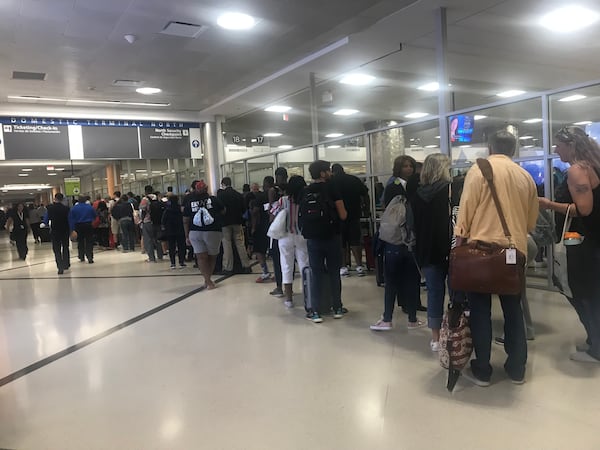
<point x="337" y="169"/>
<point x="317" y="167"/>
<point x="585" y="148"/>
<point x="246" y="187"/>
<point x="59" y="197"/>
<point x="117" y="193"/>
<point x="399" y="162"/>
<point x="295" y="187"/>
<point x="502" y="143"/>
<point x="174" y="201"/>
<point x="281" y="172"/>
<point x="124" y="198"/>
<point x="82" y="199"/>
<point x="436" y="168"/>
<point x="226" y="181"/>
<point x="148" y="189"/>
<point x="130" y="194"/>
<point x="268" y="181"/>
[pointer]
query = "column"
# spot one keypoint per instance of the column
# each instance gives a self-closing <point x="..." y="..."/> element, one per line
<point x="210" y="141"/>
<point x="385" y="146"/>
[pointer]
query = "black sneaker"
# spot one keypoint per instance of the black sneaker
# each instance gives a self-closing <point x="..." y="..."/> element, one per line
<point x="469" y="375"/>
<point x="277" y="292"/>
<point x="499" y="340"/>
<point x="338" y="313"/>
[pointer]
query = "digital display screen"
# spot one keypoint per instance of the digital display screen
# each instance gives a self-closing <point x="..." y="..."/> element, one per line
<point x="461" y="129"/>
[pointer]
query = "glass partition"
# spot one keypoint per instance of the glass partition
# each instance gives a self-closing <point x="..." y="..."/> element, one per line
<point x="297" y="161"/>
<point x="259" y="168"/>
<point x="351" y="153"/>
<point x="237" y="173"/>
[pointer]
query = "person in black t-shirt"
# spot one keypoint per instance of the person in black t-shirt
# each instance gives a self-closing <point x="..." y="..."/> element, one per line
<point x="353" y="191"/>
<point x="57" y="216"/>
<point x="259" y="225"/>
<point x="205" y="239"/>
<point x="323" y="239"/>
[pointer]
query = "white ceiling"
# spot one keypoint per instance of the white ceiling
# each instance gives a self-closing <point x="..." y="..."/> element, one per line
<point x="492" y="45"/>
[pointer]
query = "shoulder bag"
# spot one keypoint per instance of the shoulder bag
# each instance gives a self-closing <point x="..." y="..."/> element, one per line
<point x="485" y="267"/>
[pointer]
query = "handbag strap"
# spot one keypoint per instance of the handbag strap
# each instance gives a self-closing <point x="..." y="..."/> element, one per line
<point x="567" y="223"/>
<point x="488" y="174"/>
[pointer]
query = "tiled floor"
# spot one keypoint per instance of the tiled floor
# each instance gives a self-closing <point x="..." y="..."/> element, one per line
<point x="233" y="369"/>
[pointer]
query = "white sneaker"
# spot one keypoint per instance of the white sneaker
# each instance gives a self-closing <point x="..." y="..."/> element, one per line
<point x="381" y="326"/>
<point x="435" y="346"/>
<point x="288" y="304"/>
<point x="344" y="272"/>
<point x="360" y="271"/>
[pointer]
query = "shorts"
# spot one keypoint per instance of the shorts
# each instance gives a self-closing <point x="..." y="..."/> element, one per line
<point x="206" y="242"/>
<point x="260" y="241"/>
<point x="351" y="233"/>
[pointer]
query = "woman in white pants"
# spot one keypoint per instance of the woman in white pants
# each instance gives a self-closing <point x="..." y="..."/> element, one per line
<point x="293" y="245"/>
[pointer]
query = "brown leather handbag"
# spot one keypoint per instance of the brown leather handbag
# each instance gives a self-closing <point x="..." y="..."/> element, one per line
<point x="482" y="266"/>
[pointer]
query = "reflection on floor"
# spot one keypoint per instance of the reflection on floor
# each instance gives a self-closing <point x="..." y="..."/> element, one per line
<point x="233" y="369"/>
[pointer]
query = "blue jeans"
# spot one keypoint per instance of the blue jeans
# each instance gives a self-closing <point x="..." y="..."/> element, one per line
<point x="402" y="279"/>
<point x="515" y="341"/>
<point x="435" y="279"/>
<point x="127" y="233"/>
<point x="325" y="260"/>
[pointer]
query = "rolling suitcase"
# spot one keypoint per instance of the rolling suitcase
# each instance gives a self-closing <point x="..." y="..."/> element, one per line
<point x="44" y="234"/>
<point x="369" y="254"/>
<point x="325" y="303"/>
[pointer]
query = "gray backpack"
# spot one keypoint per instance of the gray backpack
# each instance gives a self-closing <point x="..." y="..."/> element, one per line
<point x="397" y="225"/>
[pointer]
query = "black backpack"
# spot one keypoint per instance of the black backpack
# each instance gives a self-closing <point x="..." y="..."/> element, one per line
<point x="315" y="215"/>
<point x="156" y="211"/>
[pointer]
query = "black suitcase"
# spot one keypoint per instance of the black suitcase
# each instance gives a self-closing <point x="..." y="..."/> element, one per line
<point x="44" y="234"/>
<point x="325" y="304"/>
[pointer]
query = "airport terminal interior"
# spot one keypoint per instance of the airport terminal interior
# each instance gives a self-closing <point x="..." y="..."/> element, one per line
<point x="114" y="95"/>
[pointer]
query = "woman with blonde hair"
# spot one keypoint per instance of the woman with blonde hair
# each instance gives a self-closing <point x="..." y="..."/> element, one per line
<point x="433" y="232"/>
<point x="579" y="195"/>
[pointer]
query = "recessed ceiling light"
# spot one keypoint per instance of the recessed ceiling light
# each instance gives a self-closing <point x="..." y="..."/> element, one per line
<point x="345" y="112"/>
<point x="357" y="79"/>
<point x="416" y="115"/>
<point x="272" y="134"/>
<point x="479" y="117"/>
<point x="23" y="174"/>
<point x="536" y="120"/>
<point x="527" y="146"/>
<point x="524" y="138"/>
<point x="334" y="135"/>
<point x="26" y="169"/>
<point x="568" y="19"/>
<point x="148" y="90"/>
<point x="437" y="137"/>
<point x="278" y="108"/>
<point x="510" y="93"/>
<point x="464" y="146"/>
<point x="572" y="98"/>
<point x="236" y="21"/>
<point x="430" y="87"/>
<point x="334" y="146"/>
<point x="285" y="147"/>
<point x="583" y="122"/>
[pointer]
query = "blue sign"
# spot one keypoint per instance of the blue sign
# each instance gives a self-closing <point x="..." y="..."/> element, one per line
<point x="195" y="143"/>
<point x="15" y="120"/>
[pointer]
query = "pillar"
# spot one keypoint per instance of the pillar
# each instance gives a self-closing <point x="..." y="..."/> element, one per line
<point x="210" y="141"/>
<point x="385" y="146"/>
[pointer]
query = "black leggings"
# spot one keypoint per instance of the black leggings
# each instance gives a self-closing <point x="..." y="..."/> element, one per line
<point x="177" y="243"/>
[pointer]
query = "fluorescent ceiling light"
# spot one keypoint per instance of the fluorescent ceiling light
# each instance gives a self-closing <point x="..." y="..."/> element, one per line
<point x="272" y="134"/>
<point x="278" y="108"/>
<point x="236" y="21"/>
<point x="148" y="90"/>
<point x="583" y="122"/>
<point x="528" y="146"/>
<point x="479" y="117"/>
<point x="430" y="87"/>
<point x="437" y="137"/>
<point x="52" y="174"/>
<point x="524" y="138"/>
<point x="568" y="19"/>
<point x="345" y="112"/>
<point x="510" y="93"/>
<point x="464" y="146"/>
<point x="23" y="187"/>
<point x="572" y="98"/>
<point x="357" y="79"/>
<point x="416" y="115"/>
<point x="334" y="135"/>
<point x="23" y="174"/>
<point x="432" y="146"/>
<point x="140" y="170"/>
<point x="334" y="146"/>
<point x="536" y="120"/>
<point x="26" y="170"/>
<point x="285" y="147"/>
<point x="60" y="169"/>
<point x="94" y="102"/>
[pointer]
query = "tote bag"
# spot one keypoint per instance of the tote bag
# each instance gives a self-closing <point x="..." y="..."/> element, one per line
<point x="560" y="276"/>
<point x="278" y="228"/>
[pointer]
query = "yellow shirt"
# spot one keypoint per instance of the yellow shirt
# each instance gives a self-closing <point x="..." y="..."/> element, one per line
<point x="478" y="217"/>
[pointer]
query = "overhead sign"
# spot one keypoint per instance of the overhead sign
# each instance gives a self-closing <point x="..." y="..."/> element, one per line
<point x="22" y="141"/>
<point x="14" y="120"/>
<point x="72" y="186"/>
<point x="157" y="142"/>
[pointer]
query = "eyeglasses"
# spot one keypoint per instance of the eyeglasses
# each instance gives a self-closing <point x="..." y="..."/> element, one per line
<point x="564" y="135"/>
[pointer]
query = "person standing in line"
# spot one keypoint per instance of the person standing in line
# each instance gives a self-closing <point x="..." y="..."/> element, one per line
<point x="478" y="220"/>
<point x="353" y="190"/>
<point x="81" y="216"/>
<point x="206" y="239"/>
<point x="114" y="223"/>
<point x="57" y="217"/>
<point x="274" y="193"/>
<point x="123" y="213"/>
<point x="151" y="210"/>
<point x="259" y="219"/>
<point x="580" y="189"/>
<point x="433" y="233"/>
<point x="172" y="226"/>
<point x="321" y="210"/>
<point x="18" y="226"/>
<point x="232" y="227"/>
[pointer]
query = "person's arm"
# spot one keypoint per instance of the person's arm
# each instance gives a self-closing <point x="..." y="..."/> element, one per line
<point x="534" y="208"/>
<point x="341" y="209"/>
<point x="580" y="188"/>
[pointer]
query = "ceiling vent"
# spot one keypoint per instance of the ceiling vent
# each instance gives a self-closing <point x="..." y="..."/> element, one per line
<point x="183" y="29"/>
<point x="126" y="83"/>
<point x="36" y="76"/>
